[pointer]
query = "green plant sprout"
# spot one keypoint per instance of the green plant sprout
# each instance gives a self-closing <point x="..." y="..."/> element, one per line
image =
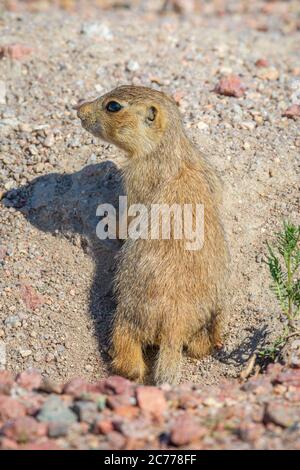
<point x="283" y="261"/>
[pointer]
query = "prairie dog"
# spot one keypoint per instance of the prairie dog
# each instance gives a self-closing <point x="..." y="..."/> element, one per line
<point x="167" y="295"/>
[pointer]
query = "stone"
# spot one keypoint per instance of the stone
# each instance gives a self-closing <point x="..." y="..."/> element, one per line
<point x="292" y="112"/>
<point x="103" y="426"/>
<point x="262" y="63"/>
<point x="6" y="382"/>
<point x="76" y="387"/>
<point x="186" y="430"/>
<point x="54" y="410"/>
<point x="100" y="30"/>
<point x="30" y="380"/>
<point x="15" y="51"/>
<point x="2" y="354"/>
<point x="30" y="297"/>
<point x="289" y="377"/>
<point x="49" y="141"/>
<point x="132" y="66"/>
<point x="25" y="353"/>
<point x="282" y="414"/>
<point x="10" y="408"/>
<point x="2" y="92"/>
<point x="268" y="73"/>
<point x="49" y="386"/>
<point x="57" y="429"/>
<point x="151" y="400"/>
<point x="24" y="429"/>
<point x="230" y="86"/>
<point x="115" y="385"/>
<point x="86" y="411"/>
<point x="202" y="126"/>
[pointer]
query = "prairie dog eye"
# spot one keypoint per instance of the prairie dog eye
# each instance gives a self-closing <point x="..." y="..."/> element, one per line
<point x="113" y="106"/>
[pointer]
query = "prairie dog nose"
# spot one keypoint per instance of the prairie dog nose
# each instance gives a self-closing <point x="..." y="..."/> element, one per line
<point x="82" y="108"/>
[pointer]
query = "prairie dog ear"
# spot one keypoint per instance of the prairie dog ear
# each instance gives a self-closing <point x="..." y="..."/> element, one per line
<point x="151" y="114"/>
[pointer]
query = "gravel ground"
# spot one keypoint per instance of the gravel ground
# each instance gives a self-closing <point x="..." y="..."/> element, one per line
<point x="55" y="280"/>
<point x="37" y="414"/>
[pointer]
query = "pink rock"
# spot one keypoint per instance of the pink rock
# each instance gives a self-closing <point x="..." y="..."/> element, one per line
<point x="262" y="63"/>
<point x="178" y="96"/>
<point x="10" y="408"/>
<point x="282" y="414"/>
<point x="31" y="380"/>
<point x="151" y="400"/>
<point x="186" y="430"/>
<point x="289" y="377"/>
<point x="230" y="86"/>
<point x="115" y="385"/>
<point x="45" y="445"/>
<point x="6" y="382"/>
<point x="24" y="429"/>
<point x="30" y="297"/>
<point x="76" y="387"/>
<point x="104" y="426"/>
<point x="115" y="402"/>
<point x="8" y="444"/>
<point x="251" y="432"/>
<point x="292" y="112"/>
<point x="15" y="51"/>
<point x="116" y="440"/>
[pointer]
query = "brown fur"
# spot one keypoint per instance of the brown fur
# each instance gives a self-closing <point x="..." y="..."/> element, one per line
<point x="166" y="295"/>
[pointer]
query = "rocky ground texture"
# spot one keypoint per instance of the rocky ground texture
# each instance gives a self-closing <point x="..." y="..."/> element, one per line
<point x="234" y="69"/>
<point x="38" y="414"/>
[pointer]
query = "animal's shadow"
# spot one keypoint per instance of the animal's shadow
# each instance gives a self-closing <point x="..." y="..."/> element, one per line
<point x="66" y="204"/>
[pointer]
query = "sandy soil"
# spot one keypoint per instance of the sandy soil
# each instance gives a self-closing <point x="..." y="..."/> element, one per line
<point x="55" y="280"/>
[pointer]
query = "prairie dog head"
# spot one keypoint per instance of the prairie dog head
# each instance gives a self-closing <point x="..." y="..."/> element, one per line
<point x="133" y="118"/>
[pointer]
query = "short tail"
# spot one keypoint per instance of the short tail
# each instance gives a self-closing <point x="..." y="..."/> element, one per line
<point x="168" y="364"/>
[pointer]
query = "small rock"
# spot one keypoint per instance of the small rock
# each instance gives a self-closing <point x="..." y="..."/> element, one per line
<point x="24" y="127"/>
<point x="185" y="430"/>
<point x="49" y="386"/>
<point x="269" y="73"/>
<point x="49" y="141"/>
<point x="2" y="354"/>
<point x="25" y="352"/>
<point x="57" y="429"/>
<point x="76" y="387"/>
<point x="178" y="95"/>
<point x="13" y="320"/>
<point x="10" y="408"/>
<point x="30" y="380"/>
<point x="262" y="63"/>
<point x="30" y="297"/>
<point x="249" y="125"/>
<point x="132" y="66"/>
<point x="6" y="382"/>
<point x="54" y="410"/>
<point x="24" y="429"/>
<point x="293" y="112"/>
<point x="100" y="30"/>
<point x="2" y="92"/>
<point x="230" y="86"/>
<point x="151" y="400"/>
<point x="115" y="385"/>
<point x="282" y="414"/>
<point x="289" y="377"/>
<point x="44" y="445"/>
<point x="246" y="145"/>
<point x="103" y="426"/>
<point x="15" y="51"/>
<point x="86" y="411"/>
<point x="202" y="126"/>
